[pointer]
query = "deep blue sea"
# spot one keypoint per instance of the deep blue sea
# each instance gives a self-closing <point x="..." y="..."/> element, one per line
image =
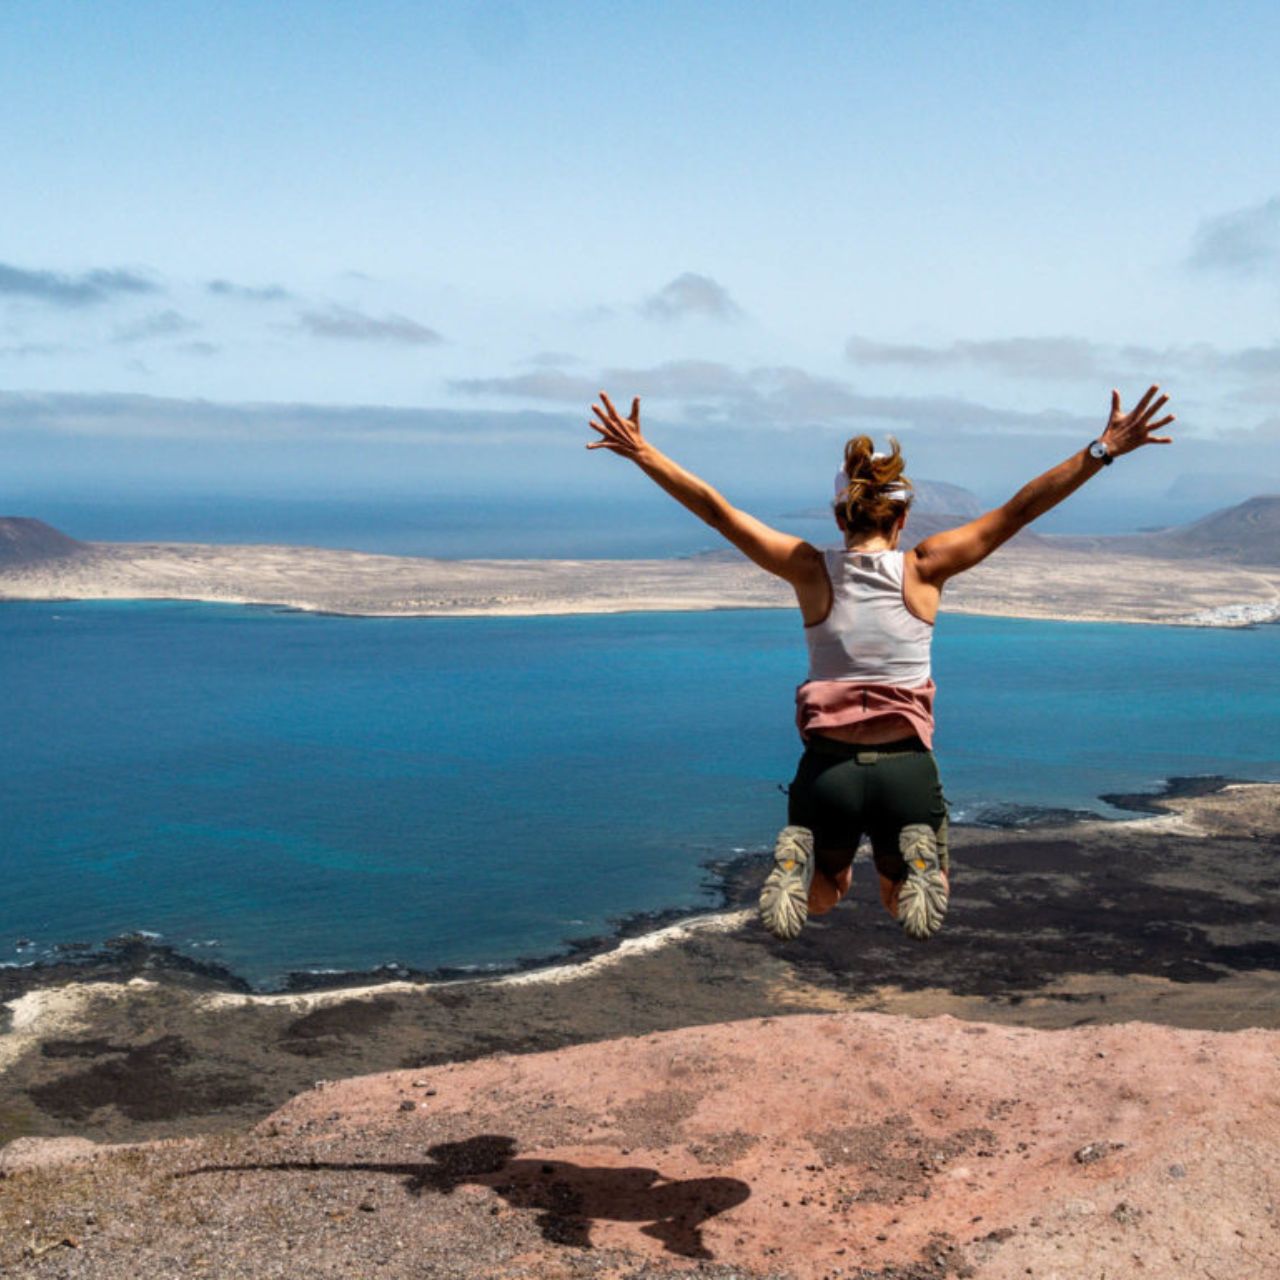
<point x="283" y="791"/>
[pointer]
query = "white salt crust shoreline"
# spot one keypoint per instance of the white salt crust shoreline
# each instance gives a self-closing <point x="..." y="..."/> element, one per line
<point x="47" y="1012"/>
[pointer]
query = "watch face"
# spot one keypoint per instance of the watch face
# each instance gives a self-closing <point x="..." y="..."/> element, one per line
<point x="1098" y="450"/>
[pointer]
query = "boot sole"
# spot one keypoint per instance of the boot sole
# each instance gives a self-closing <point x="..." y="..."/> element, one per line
<point x="923" y="898"/>
<point x="784" y="898"/>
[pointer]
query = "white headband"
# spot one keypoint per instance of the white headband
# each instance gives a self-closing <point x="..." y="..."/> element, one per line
<point x="896" y="492"/>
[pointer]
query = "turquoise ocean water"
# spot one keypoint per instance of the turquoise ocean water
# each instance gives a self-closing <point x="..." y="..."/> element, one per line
<point x="282" y="791"/>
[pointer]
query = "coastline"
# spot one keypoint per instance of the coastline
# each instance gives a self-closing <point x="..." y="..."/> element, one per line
<point x="1094" y="921"/>
<point x="1035" y="580"/>
<point x="129" y="957"/>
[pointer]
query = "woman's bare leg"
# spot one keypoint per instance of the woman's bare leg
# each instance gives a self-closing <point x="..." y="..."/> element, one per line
<point x="831" y="880"/>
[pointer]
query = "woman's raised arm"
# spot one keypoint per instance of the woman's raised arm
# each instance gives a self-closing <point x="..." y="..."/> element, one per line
<point x="946" y="554"/>
<point x="790" y="558"/>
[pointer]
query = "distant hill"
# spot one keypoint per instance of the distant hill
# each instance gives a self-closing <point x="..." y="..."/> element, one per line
<point x="937" y="497"/>
<point x="924" y="524"/>
<point x="24" y="541"/>
<point x="1222" y="487"/>
<point x="1248" y="533"/>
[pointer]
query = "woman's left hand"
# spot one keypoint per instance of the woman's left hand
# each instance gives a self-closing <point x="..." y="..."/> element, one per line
<point x="620" y="435"/>
<point x="1126" y="432"/>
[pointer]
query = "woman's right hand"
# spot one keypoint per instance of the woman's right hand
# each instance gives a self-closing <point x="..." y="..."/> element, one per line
<point x="1126" y="432"/>
<point x="620" y="435"/>
<point x="953" y="551"/>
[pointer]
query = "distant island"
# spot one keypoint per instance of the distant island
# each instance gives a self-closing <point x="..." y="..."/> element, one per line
<point x="1222" y="570"/>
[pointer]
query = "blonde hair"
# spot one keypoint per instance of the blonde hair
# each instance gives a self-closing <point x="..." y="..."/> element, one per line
<point x="877" y="493"/>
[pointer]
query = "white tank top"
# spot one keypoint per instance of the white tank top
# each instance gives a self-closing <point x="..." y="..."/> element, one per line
<point x="870" y="636"/>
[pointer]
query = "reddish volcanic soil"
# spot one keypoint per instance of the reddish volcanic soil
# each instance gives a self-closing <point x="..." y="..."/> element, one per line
<point x="846" y="1145"/>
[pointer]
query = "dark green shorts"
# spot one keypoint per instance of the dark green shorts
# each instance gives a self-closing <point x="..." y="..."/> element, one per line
<point x="843" y="791"/>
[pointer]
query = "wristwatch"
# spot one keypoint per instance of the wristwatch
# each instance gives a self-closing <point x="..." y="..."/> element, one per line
<point x="1100" y="451"/>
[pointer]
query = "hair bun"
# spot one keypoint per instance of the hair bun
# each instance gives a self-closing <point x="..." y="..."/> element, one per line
<point x="874" y="491"/>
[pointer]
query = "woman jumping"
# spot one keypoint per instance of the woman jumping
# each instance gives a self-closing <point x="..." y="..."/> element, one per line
<point x="865" y="713"/>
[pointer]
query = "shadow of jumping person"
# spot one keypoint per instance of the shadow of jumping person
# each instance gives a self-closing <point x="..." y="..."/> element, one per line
<point x="567" y="1196"/>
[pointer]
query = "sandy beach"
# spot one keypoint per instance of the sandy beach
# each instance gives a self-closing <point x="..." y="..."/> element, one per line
<point x="1034" y="578"/>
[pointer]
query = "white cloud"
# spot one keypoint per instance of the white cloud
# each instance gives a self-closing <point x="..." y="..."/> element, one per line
<point x="1059" y="357"/>
<point x="1070" y="359"/>
<point x="1244" y="242"/>
<point x="139" y="416"/>
<point x="72" y="290"/>
<point x="159" y="324"/>
<point x="691" y="294"/>
<point x="348" y="324"/>
<point x="781" y="396"/>
<point x="248" y="293"/>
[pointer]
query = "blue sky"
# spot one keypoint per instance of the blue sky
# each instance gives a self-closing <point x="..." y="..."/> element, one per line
<point x="395" y="246"/>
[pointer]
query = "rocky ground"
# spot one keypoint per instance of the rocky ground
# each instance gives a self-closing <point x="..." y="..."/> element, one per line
<point x="642" y="1125"/>
<point x="844" y="1145"/>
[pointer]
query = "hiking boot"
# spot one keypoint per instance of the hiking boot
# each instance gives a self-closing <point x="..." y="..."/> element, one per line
<point x="922" y="896"/>
<point x="784" y="899"/>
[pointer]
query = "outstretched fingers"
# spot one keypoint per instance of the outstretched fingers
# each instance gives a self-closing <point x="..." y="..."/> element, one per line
<point x="1152" y="409"/>
<point x="598" y="444"/>
<point x="1129" y="431"/>
<point x="1145" y="403"/>
<point x="1144" y="418"/>
<point x="621" y="435"/>
<point x="609" y="433"/>
<point x="615" y="416"/>
<point x="606" y="423"/>
<point x="608" y="404"/>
